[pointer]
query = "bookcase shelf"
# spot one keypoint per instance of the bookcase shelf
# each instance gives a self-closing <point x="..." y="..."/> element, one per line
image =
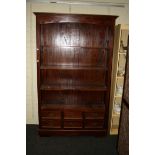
<point x="73" y="87"/>
<point x="72" y="67"/>
<point x="89" y="47"/>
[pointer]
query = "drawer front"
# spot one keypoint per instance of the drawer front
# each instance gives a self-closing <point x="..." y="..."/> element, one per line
<point x="72" y="114"/>
<point x="51" y="114"/>
<point x="94" y="115"/>
<point x="72" y="123"/>
<point x="51" y="123"/>
<point x="94" y="123"/>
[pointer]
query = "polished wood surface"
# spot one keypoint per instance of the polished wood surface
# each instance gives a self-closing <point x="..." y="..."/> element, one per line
<point x="74" y="57"/>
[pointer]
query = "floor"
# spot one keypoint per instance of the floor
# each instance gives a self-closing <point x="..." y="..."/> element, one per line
<point x="36" y="145"/>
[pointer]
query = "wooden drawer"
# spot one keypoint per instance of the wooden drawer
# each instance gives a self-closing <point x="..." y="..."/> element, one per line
<point x="50" y="123"/>
<point x="73" y="123"/>
<point x="56" y="114"/>
<point x="72" y="114"/>
<point x="94" y="123"/>
<point x="94" y="115"/>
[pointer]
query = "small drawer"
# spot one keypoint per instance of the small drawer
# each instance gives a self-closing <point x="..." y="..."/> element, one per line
<point x="50" y="123"/>
<point x="94" y="115"/>
<point x="72" y="123"/>
<point x="94" y="123"/>
<point x="72" y="114"/>
<point x="56" y="114"/>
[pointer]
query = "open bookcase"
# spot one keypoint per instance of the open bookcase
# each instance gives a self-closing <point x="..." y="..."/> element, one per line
<point x="74" y="73"/>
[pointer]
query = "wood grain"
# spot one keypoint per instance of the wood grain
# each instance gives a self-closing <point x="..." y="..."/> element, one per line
<point x="74" y="73"/>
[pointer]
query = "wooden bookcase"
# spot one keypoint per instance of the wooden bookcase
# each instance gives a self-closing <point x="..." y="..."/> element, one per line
<point x="118" y="72"/>
<point x="74" y="61"/>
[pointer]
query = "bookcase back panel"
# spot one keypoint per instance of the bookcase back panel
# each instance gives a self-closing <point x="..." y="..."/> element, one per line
<point x="73" y="34"/>
<point x="67" y="77"/>
<point x="71" y="97"/>
<point x="73" y="56"/>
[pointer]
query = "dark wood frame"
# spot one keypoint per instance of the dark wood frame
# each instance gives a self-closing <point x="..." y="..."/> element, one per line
<point x="108" y="21"/>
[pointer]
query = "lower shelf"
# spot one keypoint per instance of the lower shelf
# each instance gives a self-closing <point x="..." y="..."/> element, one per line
<point x="72" y="106"/>
<point x="48" y="132"/>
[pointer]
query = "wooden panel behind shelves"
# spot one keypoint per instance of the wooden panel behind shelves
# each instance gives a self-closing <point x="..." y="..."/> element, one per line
<point x="73" y="44"/>
<point x="73" y="77"/>
<point x="72" y="97"/>
<point x="73" y="56"/>
<point x="73" y="34"/>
